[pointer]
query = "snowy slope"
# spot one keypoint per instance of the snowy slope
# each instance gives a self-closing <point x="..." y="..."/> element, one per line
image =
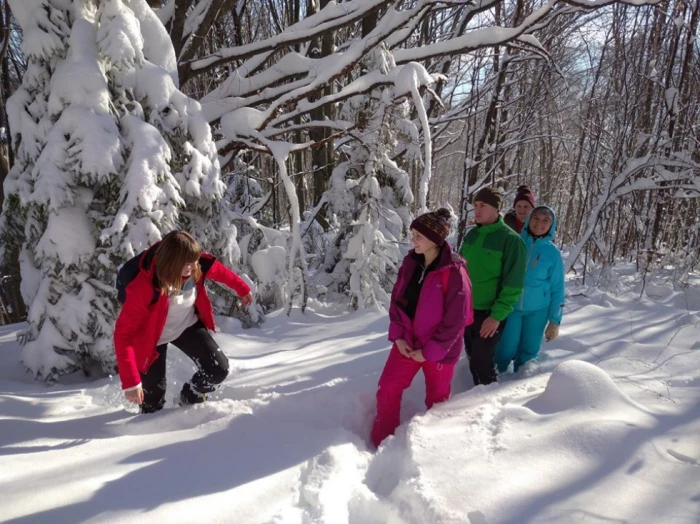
<point x="606" y="429"/>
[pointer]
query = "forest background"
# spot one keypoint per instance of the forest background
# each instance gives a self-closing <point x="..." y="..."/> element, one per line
<point x="298" y="139"/>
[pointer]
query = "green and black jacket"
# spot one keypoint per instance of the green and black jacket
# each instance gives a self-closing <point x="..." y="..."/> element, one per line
<point x="495" y="256"/>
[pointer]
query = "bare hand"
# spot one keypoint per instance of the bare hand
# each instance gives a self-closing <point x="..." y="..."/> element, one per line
<point x="551" y="332"/>
<point x="489" y="327"/>
<point x="404" y="348"/>
<point x="417" y="355"/>
<point x="247" y="300"/>
<point x="135" y="395"/>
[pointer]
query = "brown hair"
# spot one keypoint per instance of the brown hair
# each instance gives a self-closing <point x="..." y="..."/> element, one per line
<point x="177" y="249"/>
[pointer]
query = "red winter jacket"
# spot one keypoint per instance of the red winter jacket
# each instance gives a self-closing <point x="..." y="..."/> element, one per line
<point x="141" y="322"/>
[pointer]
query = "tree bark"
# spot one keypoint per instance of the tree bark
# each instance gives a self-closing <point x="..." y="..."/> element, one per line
<point x="323" y="156"/>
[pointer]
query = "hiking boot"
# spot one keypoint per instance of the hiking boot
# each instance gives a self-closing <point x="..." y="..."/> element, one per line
<point x="149" y="408"/>
<point x="189" y="395"/>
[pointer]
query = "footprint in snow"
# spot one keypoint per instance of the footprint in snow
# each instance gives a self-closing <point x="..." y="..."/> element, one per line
<point x="683" y="458"/>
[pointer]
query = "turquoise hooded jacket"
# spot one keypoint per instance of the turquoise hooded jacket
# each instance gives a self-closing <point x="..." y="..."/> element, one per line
<point x="544" y="273"/>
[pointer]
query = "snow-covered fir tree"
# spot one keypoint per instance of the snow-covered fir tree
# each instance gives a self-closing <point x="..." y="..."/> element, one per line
<point x="111" y="155"/>
<point x="370" y="194"/>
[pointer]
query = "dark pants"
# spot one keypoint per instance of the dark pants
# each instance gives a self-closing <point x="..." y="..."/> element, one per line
<point x="480" y="350"/>
<point x="212" y="369"/>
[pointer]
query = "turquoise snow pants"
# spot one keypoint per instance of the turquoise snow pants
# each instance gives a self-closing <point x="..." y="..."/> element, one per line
<point x="521" y="338"/>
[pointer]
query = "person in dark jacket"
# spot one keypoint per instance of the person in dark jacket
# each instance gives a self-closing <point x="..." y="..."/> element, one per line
<point x="430" y="306"/>
<point x="173" y="271"/>
<point x="539" y="310"/>
<point x="523" y="204"/>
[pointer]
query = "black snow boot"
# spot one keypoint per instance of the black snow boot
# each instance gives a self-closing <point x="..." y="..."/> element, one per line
<point x="189" y="395"/>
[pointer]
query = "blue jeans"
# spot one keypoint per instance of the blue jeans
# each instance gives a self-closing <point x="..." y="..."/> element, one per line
<point x="521" y="338"/>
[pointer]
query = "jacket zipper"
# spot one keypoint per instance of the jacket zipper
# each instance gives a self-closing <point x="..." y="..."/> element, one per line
<point x="527" y="264"/>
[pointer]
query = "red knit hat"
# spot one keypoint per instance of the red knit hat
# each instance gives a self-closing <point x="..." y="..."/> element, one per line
<point x="434" y="226"/>
<point x="524" y="193"/>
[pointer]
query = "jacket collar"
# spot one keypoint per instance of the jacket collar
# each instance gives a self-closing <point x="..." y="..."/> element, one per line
<point x="490" y="228"/>
<point x="512" y="216"/>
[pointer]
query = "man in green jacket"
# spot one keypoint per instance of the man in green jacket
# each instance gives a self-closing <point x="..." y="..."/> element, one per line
<point x="495" y="256"/>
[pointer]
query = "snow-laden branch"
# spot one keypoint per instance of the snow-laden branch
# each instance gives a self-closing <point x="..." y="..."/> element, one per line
<point x="480" y="38"/>
<point x="294" y="77"/>
<point x="332" y="17"/>
<point x="242" y="124"/>
<point x="624" y="183"/>
<point x="493" y="36"/>
<point x="280" y="152"/>
<point x="198" y="24"/>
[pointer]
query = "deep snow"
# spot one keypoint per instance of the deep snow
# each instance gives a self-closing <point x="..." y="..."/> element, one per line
<point x="604" y="429"/>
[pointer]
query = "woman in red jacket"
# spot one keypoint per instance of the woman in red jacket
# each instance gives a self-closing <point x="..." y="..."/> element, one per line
<point x="167" y="303"/>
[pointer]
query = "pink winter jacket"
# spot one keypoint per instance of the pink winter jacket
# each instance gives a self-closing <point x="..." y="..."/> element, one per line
<point x="441" y="314"/>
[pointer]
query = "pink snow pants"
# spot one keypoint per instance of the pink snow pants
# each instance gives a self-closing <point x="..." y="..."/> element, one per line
<point x="397" y="376"/>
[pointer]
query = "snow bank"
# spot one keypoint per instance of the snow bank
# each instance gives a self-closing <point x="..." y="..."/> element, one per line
<point x="563" y="444"/>
<point x="579" y="385"/>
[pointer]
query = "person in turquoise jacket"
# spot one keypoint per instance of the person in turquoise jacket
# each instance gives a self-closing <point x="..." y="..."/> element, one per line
<point x="539" y="310"/>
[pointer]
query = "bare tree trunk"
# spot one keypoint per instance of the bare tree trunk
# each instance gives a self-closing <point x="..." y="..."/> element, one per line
<point x="471" y="169"/>
<point x="7" y="158"/>
<point x="298" y="163"/>
<point x="323" y="155"/>
<point x="585" y="134"/>
<point x="13" y="304"/>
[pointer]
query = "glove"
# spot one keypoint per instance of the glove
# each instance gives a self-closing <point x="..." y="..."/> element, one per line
<point x="551" y="332"/>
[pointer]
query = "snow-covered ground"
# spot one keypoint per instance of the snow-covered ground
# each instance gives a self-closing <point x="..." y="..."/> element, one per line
<point x="606" y="428"/>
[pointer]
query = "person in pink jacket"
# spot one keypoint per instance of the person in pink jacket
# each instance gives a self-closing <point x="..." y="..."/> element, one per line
<point x="431" y="304"/>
